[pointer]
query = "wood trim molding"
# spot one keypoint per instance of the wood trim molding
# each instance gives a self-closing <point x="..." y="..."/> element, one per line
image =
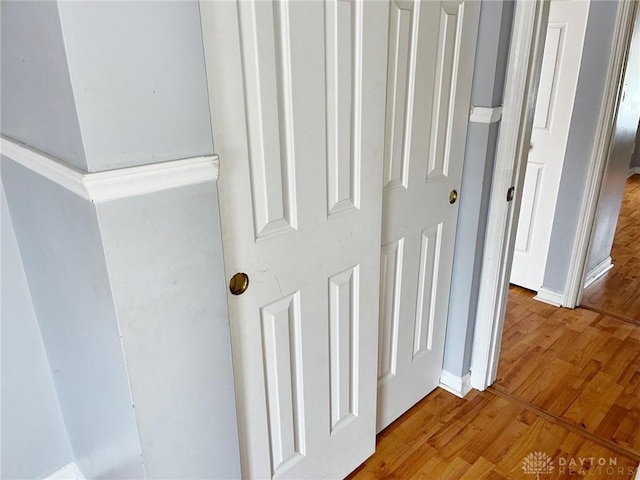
<point x="523" y="73"/>
<point x="44" y="165"/>
<point x="596" y="272"/>
<point x="455" y="384"/>
<point x="485" y="114"/>
<point x="549" y="296"/>
<point x="598" y="163"/>
<point x="114" y="184"/>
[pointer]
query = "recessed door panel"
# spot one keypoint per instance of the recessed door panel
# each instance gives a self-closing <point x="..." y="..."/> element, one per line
<point x="344" y="322"/>
<point x="390" y="287"/>
<point x="282" y="357"/>
<point x="270" y="129"/>
<point x="400" y="79"/>
<point x="344" y="75"/>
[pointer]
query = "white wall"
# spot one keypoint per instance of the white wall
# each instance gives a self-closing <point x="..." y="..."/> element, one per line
<point x="60" y="244"/>
<point x="139" y="81"/>
<point x="164" y="255"/>
<point x="38" y="107"/>
<point x="34" y="439"/>
<point x="130" y="297"/>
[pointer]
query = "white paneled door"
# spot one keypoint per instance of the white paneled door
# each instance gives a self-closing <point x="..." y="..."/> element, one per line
<point x="554" y="106"/>
<point x="429" y="75"/>
<point x="297" y="99"/>
<point x="298" y="94"/>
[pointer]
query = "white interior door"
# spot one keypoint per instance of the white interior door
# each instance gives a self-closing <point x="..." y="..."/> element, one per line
<point x="429" y="75"/>
<point x="554" y="106"/>
<point x="297" y="93"/>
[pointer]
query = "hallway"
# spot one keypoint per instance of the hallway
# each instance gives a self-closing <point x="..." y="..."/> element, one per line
<point x="568" y="386"/>
<point x="618" y="291"/>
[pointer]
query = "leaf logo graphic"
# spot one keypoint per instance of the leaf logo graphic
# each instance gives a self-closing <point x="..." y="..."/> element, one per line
<point x="537" y="463"/>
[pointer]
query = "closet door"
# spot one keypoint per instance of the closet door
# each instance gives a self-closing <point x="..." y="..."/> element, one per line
<point x="429" y="74"/>
<point x="297" y="92"/>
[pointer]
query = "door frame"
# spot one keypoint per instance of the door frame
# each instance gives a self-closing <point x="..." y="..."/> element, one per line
<point x="599" y="161"/>
<point x="523" y="75"/>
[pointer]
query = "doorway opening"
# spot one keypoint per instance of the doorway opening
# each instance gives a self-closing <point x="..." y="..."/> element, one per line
<point x="572" y="247"/>
<point x="611" y="282"/>
<point x="578" y="366"/>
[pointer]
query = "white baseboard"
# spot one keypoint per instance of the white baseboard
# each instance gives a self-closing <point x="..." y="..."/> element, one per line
<point x="633" y="171"/>
<point x="598" y="271"/>
<point x="459" y="386"/>
<point x="68" y="472"/>
<point x="549" y="296"/>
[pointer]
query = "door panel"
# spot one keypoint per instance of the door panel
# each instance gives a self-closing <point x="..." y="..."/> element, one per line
<point x="429" y="74"/>
<point x="554" y="106"/>
<point x="281" y="355"/>
<point x="298" y="119"/>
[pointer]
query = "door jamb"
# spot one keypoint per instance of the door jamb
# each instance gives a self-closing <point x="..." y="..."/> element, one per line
<point x="523" y="74"/>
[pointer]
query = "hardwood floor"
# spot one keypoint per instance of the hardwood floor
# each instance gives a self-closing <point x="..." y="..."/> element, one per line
<point x="484" y="436"/>
<point x="568" y="386"/>
<point x="580" y="366"/>
<point x="618" y="292"/>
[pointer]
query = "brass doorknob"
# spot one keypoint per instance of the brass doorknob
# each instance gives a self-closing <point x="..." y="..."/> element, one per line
<point x="453" y="196"/>
<point x="239" y="283"/>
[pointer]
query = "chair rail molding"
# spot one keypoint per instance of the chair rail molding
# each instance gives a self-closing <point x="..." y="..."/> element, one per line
<point x="98" y="187"/>
<point x="70" y="471"/>
<point x="486" y="115"/>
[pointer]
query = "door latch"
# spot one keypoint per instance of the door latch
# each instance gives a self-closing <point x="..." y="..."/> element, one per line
<point x="510" y="193"/>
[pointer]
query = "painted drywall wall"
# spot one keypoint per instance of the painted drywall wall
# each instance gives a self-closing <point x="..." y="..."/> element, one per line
<point x="635" y="158"/>
<point x="488" y="83"/>
<point x="620" y="158"/>
<point x="34" y="439"/>
<point x="60" y="244"/>
<point x="164" y="255"/>
<point x="38" y="107"/>
<point x="589" y="94"/>
<point x="138" y="75"/>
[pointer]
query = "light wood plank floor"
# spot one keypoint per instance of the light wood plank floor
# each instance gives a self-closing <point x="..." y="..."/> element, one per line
<point x="568" y="385"/>
<point x="484" y="436"/>
<point x="618" y="292"/>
